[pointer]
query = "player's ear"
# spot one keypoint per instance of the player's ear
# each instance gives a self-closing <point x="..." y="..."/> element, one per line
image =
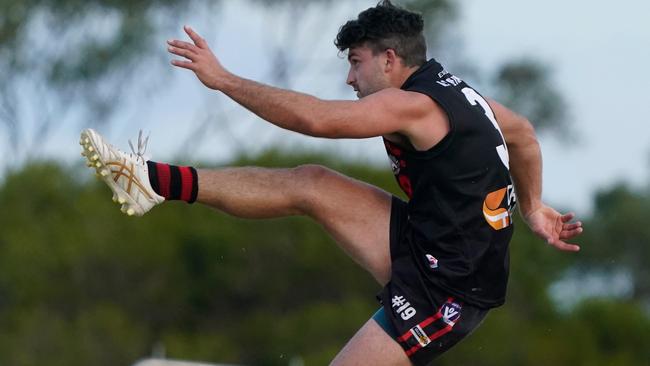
<point x="391" y="59"/>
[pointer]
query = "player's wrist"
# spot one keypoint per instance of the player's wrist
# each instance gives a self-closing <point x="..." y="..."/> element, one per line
<point x="223" y="81"/>
<point x="528" y="208"/>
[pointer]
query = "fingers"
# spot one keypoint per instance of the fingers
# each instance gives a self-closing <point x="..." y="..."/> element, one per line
<point x="185" y="49"/>
<point x="570" y="230"/>
<point x="572" y="226"/>
<point x="185" y="45"/>
<point x="558" y="242"/>
<point x="568" y="234"/>
<point x="182" y="52"/>
<point x="561" y="245"/>
<point x="184" y="64"/>
<point x="567" y="217"/>
<point x="198" y="41"/>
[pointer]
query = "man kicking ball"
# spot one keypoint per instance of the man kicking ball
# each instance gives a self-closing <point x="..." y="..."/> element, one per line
<point x="441" y="257"/>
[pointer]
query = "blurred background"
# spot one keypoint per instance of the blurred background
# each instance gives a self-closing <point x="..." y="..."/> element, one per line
<point x="81" y="284"/>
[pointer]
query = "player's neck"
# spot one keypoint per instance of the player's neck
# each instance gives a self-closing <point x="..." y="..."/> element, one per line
<point x="401" y="76"/>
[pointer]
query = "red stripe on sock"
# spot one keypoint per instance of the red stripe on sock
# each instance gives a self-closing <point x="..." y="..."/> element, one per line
<point x="186" y="183"/>
<point x="164" y="180"/>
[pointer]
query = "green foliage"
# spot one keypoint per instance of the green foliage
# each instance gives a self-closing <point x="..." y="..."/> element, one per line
<point x="618" y="236"/>
<point x="82" y="284"/>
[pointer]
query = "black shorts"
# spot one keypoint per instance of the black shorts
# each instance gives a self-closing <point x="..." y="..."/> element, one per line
<point x="423" y="319"/>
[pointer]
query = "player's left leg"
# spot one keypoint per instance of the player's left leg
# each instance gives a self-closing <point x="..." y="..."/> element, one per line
<point x="371" y="345"/>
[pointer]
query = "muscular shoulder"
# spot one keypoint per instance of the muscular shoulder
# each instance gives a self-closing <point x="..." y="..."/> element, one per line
<point x="406" y="102"/>
<point x="424" y="122"/>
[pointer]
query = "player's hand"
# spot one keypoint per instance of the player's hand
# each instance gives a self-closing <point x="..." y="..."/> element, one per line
<point x="554" y="227"/>
<point x="199" y="58"/>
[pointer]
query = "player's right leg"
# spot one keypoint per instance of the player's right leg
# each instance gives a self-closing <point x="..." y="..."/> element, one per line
<point x="356" y="214"/>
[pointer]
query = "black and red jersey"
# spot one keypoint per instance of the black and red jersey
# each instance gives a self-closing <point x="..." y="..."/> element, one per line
<point x="461" y="195"/>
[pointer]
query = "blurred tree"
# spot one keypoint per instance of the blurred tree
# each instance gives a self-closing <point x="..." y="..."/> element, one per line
<point x="71" y="59"/>
<point x="526" y="86"/>
<point x="618" y="238"/>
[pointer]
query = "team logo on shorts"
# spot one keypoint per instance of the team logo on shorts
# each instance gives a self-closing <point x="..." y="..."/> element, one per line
<point x="450" y="312"/>
<point x="433" y="262"/>
<point x="421" y="337"/>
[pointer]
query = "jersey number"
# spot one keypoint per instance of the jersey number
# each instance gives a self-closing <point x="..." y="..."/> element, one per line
<point x="496" y="216"/>
<point x="473" y="98"/>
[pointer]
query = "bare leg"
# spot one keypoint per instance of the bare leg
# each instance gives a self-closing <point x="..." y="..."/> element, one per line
<point x="250" y="192"/>
<point x="356" y="214"/>
<point x="371" y="346"/>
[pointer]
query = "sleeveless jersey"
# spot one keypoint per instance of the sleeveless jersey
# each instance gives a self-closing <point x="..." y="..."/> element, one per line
<point x="461" y="195"/>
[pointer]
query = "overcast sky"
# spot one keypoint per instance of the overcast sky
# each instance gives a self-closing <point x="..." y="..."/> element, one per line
<point x="599" y="52"/>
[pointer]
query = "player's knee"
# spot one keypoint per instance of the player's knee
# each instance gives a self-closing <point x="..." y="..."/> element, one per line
<point x="311" y="172"/>
<point x="309" y="180"/>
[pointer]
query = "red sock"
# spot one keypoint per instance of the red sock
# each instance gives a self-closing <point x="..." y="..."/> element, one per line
<point x="174" y="182"/>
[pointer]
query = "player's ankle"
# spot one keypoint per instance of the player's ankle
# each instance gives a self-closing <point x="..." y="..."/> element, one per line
<point x="173" y="182"/>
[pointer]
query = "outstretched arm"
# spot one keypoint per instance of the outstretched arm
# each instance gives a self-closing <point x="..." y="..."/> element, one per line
<point x="526" y="170"/>
<point x="388" y="111"/>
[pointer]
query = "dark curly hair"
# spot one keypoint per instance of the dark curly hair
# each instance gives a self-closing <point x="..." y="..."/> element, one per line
<point x="386" y="26"/>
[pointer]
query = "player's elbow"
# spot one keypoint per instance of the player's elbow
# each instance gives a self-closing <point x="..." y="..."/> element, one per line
<point x="324" y="127"/>
<point x="317" y="121"/>
<point x="309" y="124"/>
<point x="522" y="135"/>
<point x="316" y="128"/>
<point x="528" y="134"/>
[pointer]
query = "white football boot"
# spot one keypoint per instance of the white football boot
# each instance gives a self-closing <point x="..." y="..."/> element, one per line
<point x="126" y="174"/>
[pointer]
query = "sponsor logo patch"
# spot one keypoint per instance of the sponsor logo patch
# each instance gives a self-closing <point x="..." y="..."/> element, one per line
<point x="498" y="207"/>
<point x="421" y="337"/>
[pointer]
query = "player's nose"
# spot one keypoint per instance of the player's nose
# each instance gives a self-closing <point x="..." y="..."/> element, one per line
<point x="351" y="80"/>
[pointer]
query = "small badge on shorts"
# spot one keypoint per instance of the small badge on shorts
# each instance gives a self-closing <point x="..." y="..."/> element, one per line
<point x="419" y="334"/>
<point x="450" y="312"/>
<point x="433" y="262"/>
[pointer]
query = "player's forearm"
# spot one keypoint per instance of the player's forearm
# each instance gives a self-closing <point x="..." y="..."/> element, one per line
<point x="526" y="171"/>
<point x="284" y="108"/>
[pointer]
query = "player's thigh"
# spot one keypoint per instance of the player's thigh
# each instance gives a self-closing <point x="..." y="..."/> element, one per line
<point x="371" y="346"/>
<point x="355" y="213"/>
